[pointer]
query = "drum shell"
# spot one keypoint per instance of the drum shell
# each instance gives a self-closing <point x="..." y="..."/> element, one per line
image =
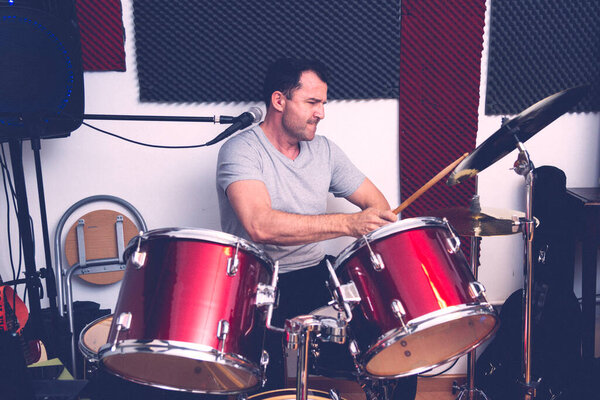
<point x="290" y="394"/>
<point x="422" y="272"/>
<point x="183" y="291"/>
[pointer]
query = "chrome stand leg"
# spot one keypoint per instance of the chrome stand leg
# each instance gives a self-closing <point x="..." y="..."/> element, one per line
<point x="469" y="391"/>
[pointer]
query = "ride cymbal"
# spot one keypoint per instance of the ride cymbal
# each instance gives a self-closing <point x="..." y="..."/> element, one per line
<point x="521" y="128"/>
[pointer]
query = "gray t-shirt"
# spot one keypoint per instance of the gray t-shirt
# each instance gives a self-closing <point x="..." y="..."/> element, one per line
<point x="299" y="186"/>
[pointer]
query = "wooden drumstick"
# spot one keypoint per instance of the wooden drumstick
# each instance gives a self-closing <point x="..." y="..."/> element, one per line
<point x="429" y="184"/>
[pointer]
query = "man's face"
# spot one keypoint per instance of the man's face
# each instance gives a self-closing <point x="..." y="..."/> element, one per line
<point x="305" y="108"/>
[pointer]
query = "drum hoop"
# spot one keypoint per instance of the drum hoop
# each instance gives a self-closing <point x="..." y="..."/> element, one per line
<point x="86" y="351"/>
<point x="289" y="391"/>
<point x="386" y="230"/>
<point x="179" y="349"/>
<point x="203" y="235"/>
<point x="425" y="322"/>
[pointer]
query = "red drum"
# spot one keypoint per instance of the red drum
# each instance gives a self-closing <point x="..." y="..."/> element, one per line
<point x="290" y="394"/>
<point x="420" y="306"/>
<point x="91" y="338"/>
<point x="186" y="318"/>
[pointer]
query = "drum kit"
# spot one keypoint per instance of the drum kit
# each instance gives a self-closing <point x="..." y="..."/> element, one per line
<point x="195" y="304"/>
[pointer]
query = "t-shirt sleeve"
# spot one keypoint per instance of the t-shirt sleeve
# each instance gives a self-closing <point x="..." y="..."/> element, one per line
<point x="238" y="160"/>
<point x="345" y="176"/>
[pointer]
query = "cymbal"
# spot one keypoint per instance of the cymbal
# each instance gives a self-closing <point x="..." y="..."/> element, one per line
<point x="486" y="222"/>
<point x="523" y="126"/>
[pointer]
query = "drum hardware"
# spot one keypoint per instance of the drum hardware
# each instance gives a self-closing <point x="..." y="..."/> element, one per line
<point x="376" y="259"/>
<point x="233" y="262"/>
<point x="334" y="394"/>
<point x="476" y="289"/>
<point x="469" y="391"/>
<point x="454" y="241"/>
<point x="301" y="331"/>
<point x="345" y="296"/>
<point x="123" y="324"/>
<point x="399" y="312"/>
<point x="222" y="331"/>
<point x="139" y="257"/>
<point x="355" y="353"/>
<point x="511" y="135"/>
<point x="267" y="295"/>
<point x="264" y="363"/>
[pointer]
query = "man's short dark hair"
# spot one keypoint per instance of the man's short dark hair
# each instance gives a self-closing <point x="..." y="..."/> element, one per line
<point x="284" y="75"/>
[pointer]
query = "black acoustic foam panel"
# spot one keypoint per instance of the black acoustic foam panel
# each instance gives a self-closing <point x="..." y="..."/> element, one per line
<point x="218" y="51"/>
<point x="538" y="48"/>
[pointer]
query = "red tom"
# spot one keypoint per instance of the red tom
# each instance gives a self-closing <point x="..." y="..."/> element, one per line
<point x="420" y="306"/>
<point x="186" y="318"/>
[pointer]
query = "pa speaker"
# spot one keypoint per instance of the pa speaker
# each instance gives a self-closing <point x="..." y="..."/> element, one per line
<point x="41" y="78"/>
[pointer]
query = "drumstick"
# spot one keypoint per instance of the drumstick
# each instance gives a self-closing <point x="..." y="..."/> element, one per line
<point x="429" y="184"/>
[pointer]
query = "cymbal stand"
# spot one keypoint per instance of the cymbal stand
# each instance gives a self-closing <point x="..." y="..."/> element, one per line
<point x="524" y="167"/>
<point x="469" y="391"/>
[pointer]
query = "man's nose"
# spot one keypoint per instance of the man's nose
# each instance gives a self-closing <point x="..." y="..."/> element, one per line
<point x="320" y="112"/>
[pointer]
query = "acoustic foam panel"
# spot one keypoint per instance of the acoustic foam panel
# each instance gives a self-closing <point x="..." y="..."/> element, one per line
<point x="538" y="48"/>
<point x="218" y="51"/>
<point x="440" y="63"/>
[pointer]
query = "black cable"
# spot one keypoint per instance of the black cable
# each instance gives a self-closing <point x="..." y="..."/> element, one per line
<point x="141" y="143"/>
<point x="440" y="373"/>
<point x="6" y="177"/>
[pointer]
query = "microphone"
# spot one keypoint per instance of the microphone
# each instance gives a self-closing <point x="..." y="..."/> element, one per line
<point x="244" y="120"/>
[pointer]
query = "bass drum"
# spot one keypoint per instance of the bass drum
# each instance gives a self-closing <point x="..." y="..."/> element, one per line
<point x="420" y="306"/>
<point x="186" y="318"/>
<point x="290" y="394"/>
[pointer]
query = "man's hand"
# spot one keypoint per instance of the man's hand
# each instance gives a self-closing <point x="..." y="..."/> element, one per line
<point x="368" y="220"/>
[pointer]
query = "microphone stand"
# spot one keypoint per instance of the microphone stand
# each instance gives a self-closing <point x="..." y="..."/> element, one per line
<point x="32" y="281"/>
<point x="35" y="127"/>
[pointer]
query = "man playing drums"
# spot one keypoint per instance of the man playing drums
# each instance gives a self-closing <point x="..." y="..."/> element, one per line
<point x="273" y="181"/>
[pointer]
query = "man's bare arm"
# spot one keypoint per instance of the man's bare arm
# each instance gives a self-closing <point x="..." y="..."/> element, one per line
<point x="252" y="204"/>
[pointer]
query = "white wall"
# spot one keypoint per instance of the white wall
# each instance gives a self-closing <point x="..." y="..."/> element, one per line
<point x="176" y="188"/>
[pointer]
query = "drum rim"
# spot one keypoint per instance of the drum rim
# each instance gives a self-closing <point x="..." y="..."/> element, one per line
<point x="287" y="391"/>
<point x="199" y="234"/>
<point x="425" y="322"/>
<point x="384" y="231"/>
<point x="86" y="351"/>
<point x="180" y="349"/>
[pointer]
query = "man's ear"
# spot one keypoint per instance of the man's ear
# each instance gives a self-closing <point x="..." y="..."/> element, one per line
<point x="278" y="100"/>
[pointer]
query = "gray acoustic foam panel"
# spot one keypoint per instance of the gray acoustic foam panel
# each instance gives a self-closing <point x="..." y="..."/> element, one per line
<point x="538" y="48"/>
<point x="218" y="51"/>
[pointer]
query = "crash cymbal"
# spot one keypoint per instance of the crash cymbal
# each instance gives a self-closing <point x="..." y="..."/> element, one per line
<point x="523" y="127"/>
<point x="486" y="222"/>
